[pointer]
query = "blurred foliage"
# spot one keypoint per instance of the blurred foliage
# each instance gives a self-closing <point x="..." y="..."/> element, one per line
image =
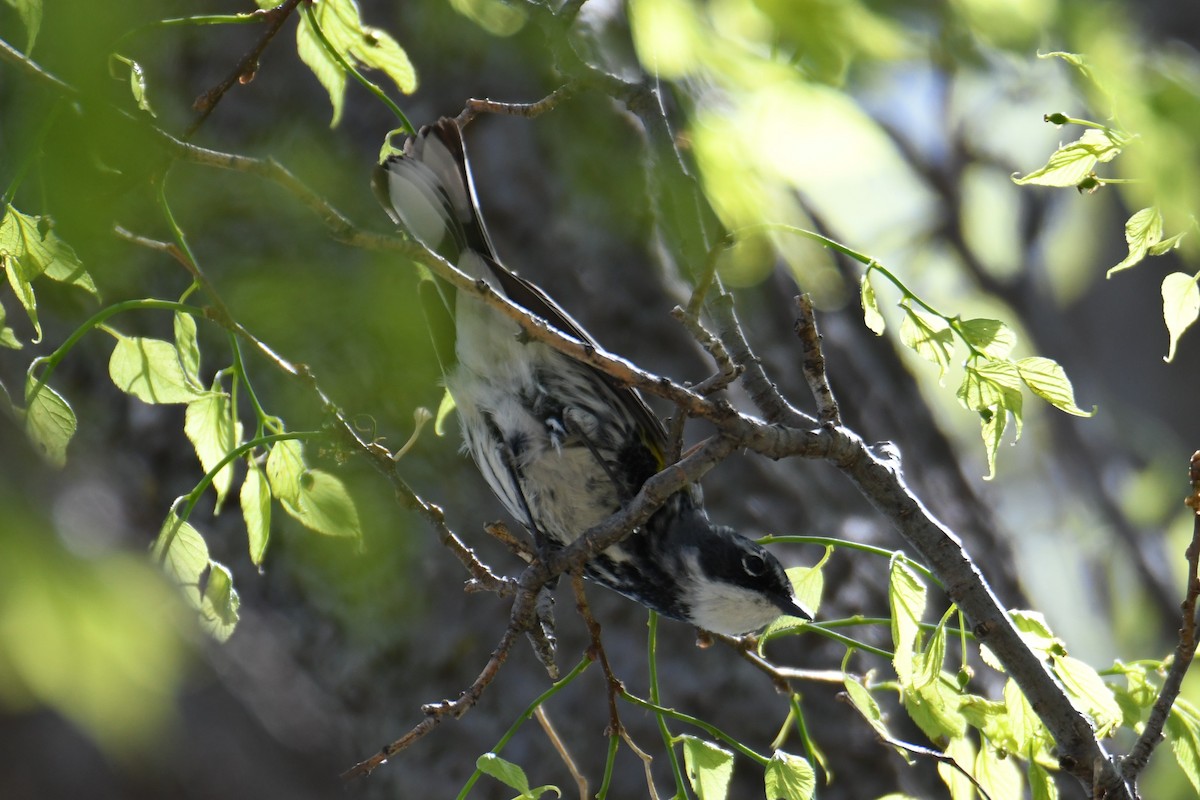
<point x="101" y="638"/>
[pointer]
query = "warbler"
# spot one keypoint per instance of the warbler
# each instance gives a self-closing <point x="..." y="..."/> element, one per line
<point x="563" y="445"/>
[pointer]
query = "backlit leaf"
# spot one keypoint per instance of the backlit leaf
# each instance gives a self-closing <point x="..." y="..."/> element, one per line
<point x="927" y="336"/>
<point x="708" y="767"/>
<point x="49" y="422"/>
<point x="324" y="505"/>
<point x="150" y="370"/>
<point x="285" y="465"/>
<point x="790" y="777"/>
<point x="997" y="773"/>
<point x="181" y="551"/>
<point x="906" y="596"/>
<point x="256" y="510"/>
<point x="1183" y="730"/>
<point x="213" y="432"/>
<point x="1049" y="381"/>
<point x="1088" y="689"/>
<point x="1142" y="231"/>
<point x="504" y="771"/>
<point x="1071" y="163"/>
<point x="1181" y="307"/>
<point x="989" y="336"/>
<point x="219" y="606"/>
<point x="870" y="306"/>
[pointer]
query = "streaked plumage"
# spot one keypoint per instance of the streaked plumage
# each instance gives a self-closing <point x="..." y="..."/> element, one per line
<point x="562" y="445"/>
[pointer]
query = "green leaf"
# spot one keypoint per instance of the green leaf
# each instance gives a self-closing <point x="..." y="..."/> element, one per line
<point x="987" y="385"/>
<point x="992" y="425"/>
<point x="808" y="583"/>
<point x="1049" y="381"/>
<point x="998" y="774"/>
<point x="445" y="409"/>
<point x="219" y="606"/>
<point x="1041" y="784"/>
<point x="906" y="596"/>
<point x="188" y="347"/>
<point x="23" y="289"/>
<point x="1027" y="735"/>
<point x="927" y="336"/>
<point x="181" y="551"/>
<point x="862" y="699"/>
<point x="937" y="711"/>
<point x="323" y="505"/>
<point x="989" y="336"/>
<point x="49" y="422"/>
<point x="285" y="466"/>
<point x="8" y="337"/>
<point x="870" y="306"/>
<point x="504" y="771"/>
<point x="1085" y="685"/>
<point x="324" y="66"/>
<point x="30" y="12"/>
<point x="497" y="17"/>
<point x="29" y="248"/>
<point x="1071" y="163"/>
<point x="1184" y="733"/>
<point x="1181" y="306"/>
<point x="708" y="766"/>
<point x="256" y="510"/>
<point x="137" y="81"/>
<point x="1036" y="633"/>
<point x="376" y="48"/>
<point x="928" y="663"/>
<point x="1074" y="59"/>
<point x="210" y="426"/>
<point x="150" y="370"/>
<point x="339" y="20"/>
<point x="1142" y="231"/>
<point x="963" y="753"/>
<point x="1138" y="694"/>
<point x="790" y="777"/>
<point x="1167" y="245"/>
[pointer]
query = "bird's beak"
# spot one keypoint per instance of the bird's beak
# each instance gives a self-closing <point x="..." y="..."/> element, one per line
<point x="794" y="609"/>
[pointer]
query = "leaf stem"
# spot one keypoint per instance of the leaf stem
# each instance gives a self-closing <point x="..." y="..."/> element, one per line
<point x="865" y="548"/>
<point x="652" y="659"/>
<point x="526" y="715"/>
<point x="51" y="361"/>
<point x="712" y="730"/>
<point x="311" y="18"/>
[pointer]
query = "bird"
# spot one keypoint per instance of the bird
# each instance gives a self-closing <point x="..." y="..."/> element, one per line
<point x="561" y="444"/>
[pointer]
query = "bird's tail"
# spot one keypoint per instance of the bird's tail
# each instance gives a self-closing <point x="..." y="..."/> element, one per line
<point x="428" y="190"/>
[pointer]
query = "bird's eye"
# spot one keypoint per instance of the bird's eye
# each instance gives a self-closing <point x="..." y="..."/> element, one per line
<point x="754" y="564"/>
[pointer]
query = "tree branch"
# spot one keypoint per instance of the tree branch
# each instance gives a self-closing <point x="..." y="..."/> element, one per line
<point x="247" y="66"/>
<point x="1185" y="651"/>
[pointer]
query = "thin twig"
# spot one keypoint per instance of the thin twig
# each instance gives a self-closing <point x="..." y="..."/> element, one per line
<point x="814" y="362"/>
<point x="242" y="72"/>
<point x="560" y="747"/>
<point x="1185" y="651"/>
<point x="596" y="652"/>
<point x="518" y="547"/>
<point x="919" y="750"/>
<point x="762" y="390"/>
<point x="727" y="370"/>
<point x="475" y="107"/>
<point x="436" y="712"/>
<point x="647" y="762"/>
